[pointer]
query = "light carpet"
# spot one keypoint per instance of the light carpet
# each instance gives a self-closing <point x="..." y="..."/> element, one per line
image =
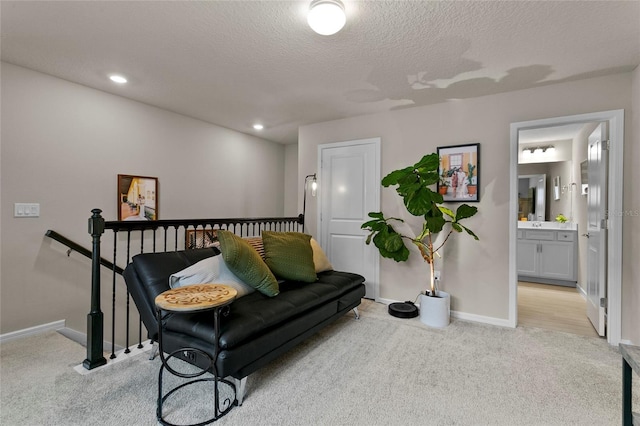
<point x="378" y="370"/>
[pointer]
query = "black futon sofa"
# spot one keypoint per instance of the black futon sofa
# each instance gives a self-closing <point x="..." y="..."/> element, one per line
<point x="257" y="328"/>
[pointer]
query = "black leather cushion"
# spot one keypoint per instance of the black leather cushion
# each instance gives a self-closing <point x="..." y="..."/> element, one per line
<point x="255" y="314"/>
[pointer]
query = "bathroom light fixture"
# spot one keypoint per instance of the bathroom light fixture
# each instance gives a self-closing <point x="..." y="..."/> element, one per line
<point x="326" y="17"/>
<point x="547" y="149"/>
<point x="117" y="79"/>
<point x="258" y="126"/>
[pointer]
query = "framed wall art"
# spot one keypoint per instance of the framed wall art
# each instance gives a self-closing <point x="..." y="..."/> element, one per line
<point x="459" y="172"/>
<point x="137" y="197"/>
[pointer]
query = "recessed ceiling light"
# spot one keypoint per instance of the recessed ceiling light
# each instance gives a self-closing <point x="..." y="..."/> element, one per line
<point x="118" y="79"/>
<point x="258" y="126"/>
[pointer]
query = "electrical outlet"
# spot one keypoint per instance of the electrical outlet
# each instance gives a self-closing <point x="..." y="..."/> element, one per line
<point x="436" y="275"/>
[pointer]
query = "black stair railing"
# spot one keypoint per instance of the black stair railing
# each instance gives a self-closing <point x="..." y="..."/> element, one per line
<point x="161" y="236"/>
<point x="73" y="246"/>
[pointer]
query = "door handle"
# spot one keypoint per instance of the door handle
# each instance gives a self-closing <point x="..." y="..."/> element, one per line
<point x="585" y="235"/>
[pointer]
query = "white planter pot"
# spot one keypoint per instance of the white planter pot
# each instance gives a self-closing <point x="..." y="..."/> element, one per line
<point x="435" y="311"/>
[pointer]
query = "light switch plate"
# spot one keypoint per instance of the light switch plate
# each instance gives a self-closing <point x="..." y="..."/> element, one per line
<point x="26" y="210"/>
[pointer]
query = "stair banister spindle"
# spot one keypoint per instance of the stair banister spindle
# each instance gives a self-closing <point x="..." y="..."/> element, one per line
<point x="113" y="296"/>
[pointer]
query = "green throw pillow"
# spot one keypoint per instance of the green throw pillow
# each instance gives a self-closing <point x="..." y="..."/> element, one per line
<point x="289" y="255"/>
<point x="246" y="263"/>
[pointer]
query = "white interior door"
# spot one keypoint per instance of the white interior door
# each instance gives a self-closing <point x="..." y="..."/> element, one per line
<point x="349" y="182"/>
<point x="596" y="227"/>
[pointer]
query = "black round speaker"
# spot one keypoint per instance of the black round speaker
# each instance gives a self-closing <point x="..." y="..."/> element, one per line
<point x="403" y="310"/>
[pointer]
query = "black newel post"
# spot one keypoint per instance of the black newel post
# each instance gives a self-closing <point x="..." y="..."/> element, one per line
<point x="95" y="356"/>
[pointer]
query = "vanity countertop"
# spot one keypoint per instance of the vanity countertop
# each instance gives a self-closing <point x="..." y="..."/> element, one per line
<point x="567" y="226"/>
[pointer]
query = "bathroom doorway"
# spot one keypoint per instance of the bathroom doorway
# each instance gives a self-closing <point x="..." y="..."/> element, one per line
<point x="550" y="291"/>
<point x="565" y="194"/>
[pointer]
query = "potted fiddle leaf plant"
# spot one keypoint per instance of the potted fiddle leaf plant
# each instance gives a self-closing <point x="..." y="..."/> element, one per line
<point x="471" y="182"/>
<point x="443" y="186"/>
<point x="414" y="186"/>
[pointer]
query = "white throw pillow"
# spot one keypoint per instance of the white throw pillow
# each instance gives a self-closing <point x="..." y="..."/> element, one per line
<point x="210" y="270"/>
<point x="205" y="271"/>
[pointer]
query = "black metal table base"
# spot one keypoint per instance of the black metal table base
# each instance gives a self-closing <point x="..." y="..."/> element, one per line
<point x="220" y="410"/>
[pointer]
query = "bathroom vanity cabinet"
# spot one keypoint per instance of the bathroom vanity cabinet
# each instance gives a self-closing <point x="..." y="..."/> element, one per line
<point x="548" y="256"/>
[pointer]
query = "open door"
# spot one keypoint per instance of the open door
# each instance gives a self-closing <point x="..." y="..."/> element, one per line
<point x="597" y="160"/>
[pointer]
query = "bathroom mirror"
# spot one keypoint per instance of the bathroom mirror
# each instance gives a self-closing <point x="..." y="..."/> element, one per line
<point x="531" y="197"/>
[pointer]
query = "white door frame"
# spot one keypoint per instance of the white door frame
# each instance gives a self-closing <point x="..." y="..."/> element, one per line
<point x="370" y="141"/>
<point x="615" y="118"/>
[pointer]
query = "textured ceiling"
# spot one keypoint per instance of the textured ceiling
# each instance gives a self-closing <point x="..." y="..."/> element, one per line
<point x="234" y="63"/>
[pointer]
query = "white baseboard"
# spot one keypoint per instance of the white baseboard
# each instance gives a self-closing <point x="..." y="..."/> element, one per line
<point x="482" y="319"/>
<point x="465" y="316"/>
<point x="120" y="356"/>
<point x="38" y="329"/>
<point x="582" y="292"/>
<point x="81" y="338"/>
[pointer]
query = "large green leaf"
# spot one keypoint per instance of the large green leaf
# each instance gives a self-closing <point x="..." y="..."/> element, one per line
<point x="393" y="177"/>
<point x="464" y="211"/>
<point x="448" y="212"/>
<point x="374" y="225"/>
<point x="428" y="162"/>
<point x="418" y="202"/>
<point x="435" y="221"/>
<point x="393" y="242"/>
<point x="470" y="232"/>
<point x="381" y="241"/>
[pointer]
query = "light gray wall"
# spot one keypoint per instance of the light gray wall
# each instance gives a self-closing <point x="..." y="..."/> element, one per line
<point x="631" y="223"/>
<point x="63" y="145"/>
<point x="476" y="273"/>
<point x="291" y="180"/>
<point x="563" y="169"/>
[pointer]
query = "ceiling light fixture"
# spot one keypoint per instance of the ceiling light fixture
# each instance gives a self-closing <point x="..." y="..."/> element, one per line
<point x="118" y="79"/>
<point x="326" y="17"/>
<point x="258" y="126"/>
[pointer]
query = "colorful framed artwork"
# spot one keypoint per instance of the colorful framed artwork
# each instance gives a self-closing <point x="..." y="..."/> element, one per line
<point x="137" y="197"/>
<point x="459" y="172"/>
